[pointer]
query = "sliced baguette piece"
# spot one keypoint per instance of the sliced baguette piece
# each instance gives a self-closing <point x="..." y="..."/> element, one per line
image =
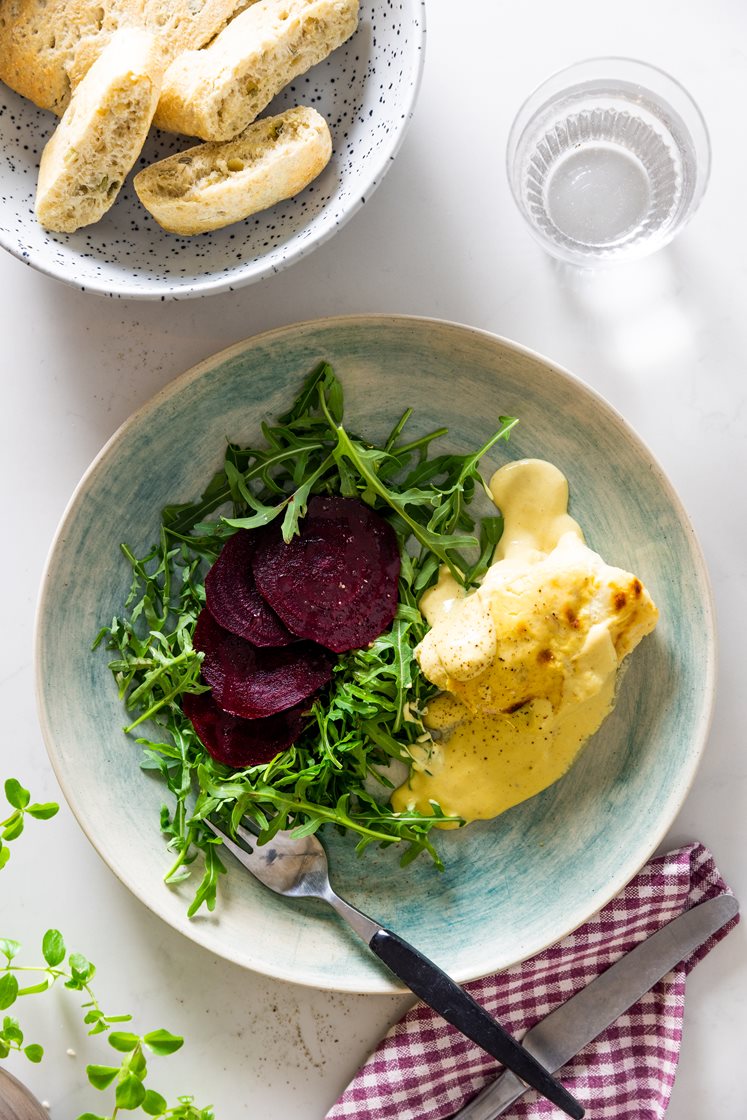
<point x="40" y="39"/>
<point x="47" y="46"/>
<point x="216" y="92"/>
<point x="213" y="185"/>
<point x="101" y="133"/>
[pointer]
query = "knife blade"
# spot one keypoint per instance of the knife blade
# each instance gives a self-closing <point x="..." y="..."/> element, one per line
<point x="575" y="1023"/>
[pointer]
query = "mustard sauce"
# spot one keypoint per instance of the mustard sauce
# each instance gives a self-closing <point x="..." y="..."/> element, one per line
<point x="526" y="663"/>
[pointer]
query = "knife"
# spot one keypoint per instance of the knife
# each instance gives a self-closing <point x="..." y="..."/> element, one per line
<point x="570" y="1027"/>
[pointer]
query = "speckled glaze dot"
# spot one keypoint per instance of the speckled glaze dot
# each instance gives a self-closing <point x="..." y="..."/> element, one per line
<point x="366" y="91"/>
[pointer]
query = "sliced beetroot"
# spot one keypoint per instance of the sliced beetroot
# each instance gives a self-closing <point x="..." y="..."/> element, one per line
<point x="241" y="742"/>
<point x="233" y="599"/>
<point x="252" y="682"/>
<point x="336" y="582"/>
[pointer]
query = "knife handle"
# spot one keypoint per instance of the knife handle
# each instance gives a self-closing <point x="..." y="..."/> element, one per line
<point x="441" y="993"/>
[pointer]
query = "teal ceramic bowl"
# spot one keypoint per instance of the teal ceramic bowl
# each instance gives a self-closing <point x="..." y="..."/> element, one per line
<point x="512" y="885"/>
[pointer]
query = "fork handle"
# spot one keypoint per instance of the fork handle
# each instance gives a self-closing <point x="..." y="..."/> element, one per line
<point x="441" y="993"/>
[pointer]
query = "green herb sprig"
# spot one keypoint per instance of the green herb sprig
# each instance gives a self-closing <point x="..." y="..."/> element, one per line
<point x="127" y="1079"/>
<point x="19" y="800"/>
<point x="337" y="772"/>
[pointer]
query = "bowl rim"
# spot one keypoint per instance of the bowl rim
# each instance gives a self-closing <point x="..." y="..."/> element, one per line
<point x="263" y="268"/>
<point x="14" y="1092"/>
<point x="373" y="984"/>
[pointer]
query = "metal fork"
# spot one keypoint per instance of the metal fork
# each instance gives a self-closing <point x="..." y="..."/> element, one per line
<point x="297" y="867"/>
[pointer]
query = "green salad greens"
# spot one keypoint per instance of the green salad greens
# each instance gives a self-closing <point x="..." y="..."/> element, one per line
<point x="335" y="773"/>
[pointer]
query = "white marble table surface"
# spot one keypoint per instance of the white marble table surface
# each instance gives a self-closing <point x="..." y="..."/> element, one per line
<point x="665" y="341"/>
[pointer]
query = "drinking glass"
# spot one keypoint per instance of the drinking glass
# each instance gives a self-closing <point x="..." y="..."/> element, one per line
<point x="607" y="160"/>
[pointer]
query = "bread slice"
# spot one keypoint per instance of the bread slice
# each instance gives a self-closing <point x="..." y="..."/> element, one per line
<point x="215" y="184"/>
<point x="47" y="46"/>
<point x="216" y="92"/>
<point x="101" y="133"/>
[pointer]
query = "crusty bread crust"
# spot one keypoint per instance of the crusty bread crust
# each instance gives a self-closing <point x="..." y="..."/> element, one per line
<point x="212" y="185"/>
<point x="47" y="46"/>
<point x="101" y="133"/>
<point x="216" y="92"/>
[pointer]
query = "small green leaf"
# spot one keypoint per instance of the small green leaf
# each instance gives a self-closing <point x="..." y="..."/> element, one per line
<point x="81" y="968"/>
<point x="12" y="1030"/>
<point x="4" y="854"/>
<point x="4" y="1047"/>
<point x="34" y="1052"/>
<point x="130" y="1092"/>
<point x="8" y="990"/>
<point x="17" y="796"/>
<point x="90" y="1116"/>
<point x="53" y="947"/>
<point x="101" y="1077"/>
<point x="138" y="1065"/>
<point x="14" y="827"/>
<point x="153" y="1103"/>
<point x="9" y="948"/>
<point x="123" y="1041"/>
<point x="42" y="811"/>
<point x="32" y="989"/>
<point x="163" y="1042"/>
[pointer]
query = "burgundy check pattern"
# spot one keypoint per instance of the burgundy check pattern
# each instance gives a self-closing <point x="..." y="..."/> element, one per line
<point x="425" y="1070"/>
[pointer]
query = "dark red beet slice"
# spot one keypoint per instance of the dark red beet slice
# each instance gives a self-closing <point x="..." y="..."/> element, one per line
<point x="233" y="600"/>
<point x="251" y="682"/>
<point x="336" y="582"/>
<point x="241" y="742"/>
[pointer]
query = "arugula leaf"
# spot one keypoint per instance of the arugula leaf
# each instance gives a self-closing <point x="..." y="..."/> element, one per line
<point x="337" y="771"/>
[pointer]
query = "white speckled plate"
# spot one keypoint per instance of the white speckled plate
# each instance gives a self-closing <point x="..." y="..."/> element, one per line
<point x="512" y="885"/>
<point x="366" y="91"/>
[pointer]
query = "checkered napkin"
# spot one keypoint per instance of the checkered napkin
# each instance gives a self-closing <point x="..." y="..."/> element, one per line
<point x="425" y="1070"/>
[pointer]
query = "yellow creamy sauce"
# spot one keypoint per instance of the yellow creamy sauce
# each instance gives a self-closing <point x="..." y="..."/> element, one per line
<point x="527" y="662"/>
